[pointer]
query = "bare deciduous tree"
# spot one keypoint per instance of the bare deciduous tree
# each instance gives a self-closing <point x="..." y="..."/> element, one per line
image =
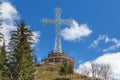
<point x="106" y="71"/>
<point x="85" y="70"/>
<point x="97" y="71"/>
<point x="100" y="71"/>
<point x="94" y="69"/>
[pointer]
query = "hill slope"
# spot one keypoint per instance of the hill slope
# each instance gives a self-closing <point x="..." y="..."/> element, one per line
<point x="42" y="74"/>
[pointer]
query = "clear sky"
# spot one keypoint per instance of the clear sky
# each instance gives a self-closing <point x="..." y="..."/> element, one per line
<point x="95" y="31"/>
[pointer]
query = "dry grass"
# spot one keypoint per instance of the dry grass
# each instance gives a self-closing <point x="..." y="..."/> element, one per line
<point x="42" y="74"/>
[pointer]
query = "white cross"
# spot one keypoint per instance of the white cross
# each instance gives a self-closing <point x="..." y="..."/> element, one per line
<point x="58" y="22"/>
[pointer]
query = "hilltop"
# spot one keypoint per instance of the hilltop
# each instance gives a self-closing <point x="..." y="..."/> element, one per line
<point x="53" y="74"/>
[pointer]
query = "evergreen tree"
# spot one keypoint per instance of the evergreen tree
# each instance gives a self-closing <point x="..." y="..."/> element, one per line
<point x="66" y="69"/>
<point x="22" y="64"/>
<point x="4" y="70"/>
<point x="3" y="57"/>
<point x="2" y="61"/>
<point x="70" y="70"/>
<point x="5" y="73"/>
<point x="63" y="69"/>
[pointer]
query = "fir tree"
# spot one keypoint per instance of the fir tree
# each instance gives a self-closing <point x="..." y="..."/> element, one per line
<point x="22" y="65"/>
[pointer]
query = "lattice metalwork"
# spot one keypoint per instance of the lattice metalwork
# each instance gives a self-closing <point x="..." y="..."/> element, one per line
<point x="57" y="22"/>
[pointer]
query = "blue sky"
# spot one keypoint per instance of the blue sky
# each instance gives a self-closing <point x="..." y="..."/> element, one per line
<point x="101" y="17"/>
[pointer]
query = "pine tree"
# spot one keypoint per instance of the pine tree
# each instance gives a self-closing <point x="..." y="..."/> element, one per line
<point x="22" y="64"/>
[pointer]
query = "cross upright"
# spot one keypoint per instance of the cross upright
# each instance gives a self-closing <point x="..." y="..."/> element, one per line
<point x="57" y="22"/>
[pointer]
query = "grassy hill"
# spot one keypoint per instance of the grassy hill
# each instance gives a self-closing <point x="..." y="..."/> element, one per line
<point x="51" y="74"/>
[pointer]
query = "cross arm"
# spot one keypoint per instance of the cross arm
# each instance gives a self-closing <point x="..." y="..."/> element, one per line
<point x="48" y="21"/>
<point x="67" y="22"/>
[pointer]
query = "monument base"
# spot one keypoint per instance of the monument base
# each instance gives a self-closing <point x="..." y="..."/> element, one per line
<point x="55" y="58"/>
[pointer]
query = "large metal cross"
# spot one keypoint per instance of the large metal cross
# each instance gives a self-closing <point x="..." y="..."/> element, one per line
<point x="58" y="22"/>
